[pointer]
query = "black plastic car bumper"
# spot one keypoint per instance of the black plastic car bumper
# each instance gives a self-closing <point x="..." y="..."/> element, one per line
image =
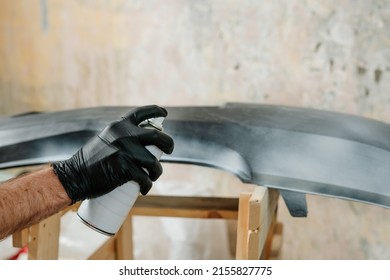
<point x="295" y="150"/>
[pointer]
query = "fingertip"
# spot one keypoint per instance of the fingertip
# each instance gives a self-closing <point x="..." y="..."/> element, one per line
<point x="165" y="110"/>
<point x="140" y="114"/>
<point x="169" y="148"/>
<point x="154" y="169"/>
<point x="169" y="145"/>
<point x="145" y="187"/>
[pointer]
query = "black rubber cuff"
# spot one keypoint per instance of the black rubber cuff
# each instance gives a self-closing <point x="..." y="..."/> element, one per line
<point x="72" y="188"/>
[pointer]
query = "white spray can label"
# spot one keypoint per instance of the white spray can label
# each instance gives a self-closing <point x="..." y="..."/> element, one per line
<point x="106" y="213"/>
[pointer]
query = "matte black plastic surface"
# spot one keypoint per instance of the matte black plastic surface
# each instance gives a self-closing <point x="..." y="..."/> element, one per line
<point x="294" y="149"/>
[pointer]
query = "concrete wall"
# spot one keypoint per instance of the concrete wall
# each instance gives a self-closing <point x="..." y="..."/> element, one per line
<point x="332" y="55"/>
<point x="324" y="54"/>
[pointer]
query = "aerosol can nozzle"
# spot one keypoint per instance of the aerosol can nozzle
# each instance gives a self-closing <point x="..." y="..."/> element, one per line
<point x="155" y="123"/>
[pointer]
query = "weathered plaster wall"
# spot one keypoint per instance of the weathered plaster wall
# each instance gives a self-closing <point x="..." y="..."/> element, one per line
<point x="332" y="55"/>
<point x="325" y="54"/>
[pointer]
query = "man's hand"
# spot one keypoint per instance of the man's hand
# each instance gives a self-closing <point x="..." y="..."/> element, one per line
<point x="115" y="156"/>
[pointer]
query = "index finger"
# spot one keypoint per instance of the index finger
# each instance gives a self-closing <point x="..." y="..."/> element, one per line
<point x="140" y="114"/>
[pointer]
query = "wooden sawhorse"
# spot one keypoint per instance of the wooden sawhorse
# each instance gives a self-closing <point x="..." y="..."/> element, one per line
<point x="259" y="235"/>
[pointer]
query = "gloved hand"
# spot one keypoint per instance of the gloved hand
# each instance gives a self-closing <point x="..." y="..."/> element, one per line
<point x="115" y="156"/>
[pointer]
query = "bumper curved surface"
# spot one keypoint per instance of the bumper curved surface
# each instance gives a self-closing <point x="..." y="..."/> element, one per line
<point x="295" y="150"/>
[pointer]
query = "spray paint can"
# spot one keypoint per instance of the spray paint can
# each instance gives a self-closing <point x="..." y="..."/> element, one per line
<point x="106" y="213"/>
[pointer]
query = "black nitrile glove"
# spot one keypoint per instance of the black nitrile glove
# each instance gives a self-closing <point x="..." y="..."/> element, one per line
<point x="115" y="156"/>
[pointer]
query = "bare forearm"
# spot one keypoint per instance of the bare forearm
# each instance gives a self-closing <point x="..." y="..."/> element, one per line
<point x="29" y="199"/>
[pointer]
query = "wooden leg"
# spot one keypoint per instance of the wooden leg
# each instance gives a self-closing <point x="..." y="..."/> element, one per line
<point x="105" y="252"/>
<point x="242" y="226"/>
<point x="119" y="247"/>
<point x="265" y="255"/>
<point x="124" y="240"/>
<point x="231" y="227"/>
<point x="20" y="238"/>
<point x="256" y="213"/>
<point x="258" y="233"/>
<point x="277" y="241"/>
<point x="44" y="243"/>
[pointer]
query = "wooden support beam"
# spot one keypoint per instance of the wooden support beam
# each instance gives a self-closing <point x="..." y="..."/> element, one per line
<point x="257" y="210"/>
<point x="266" y="254"/>
<point x="20" y="238"/>
<point x="186" y="207"/>
<point x="124" y="240"/>
<point x="242" y="226"/>
<point x="105" y="252"/>
<point x="277" y="241"/>
<point x="258" y="234"/>
<point x="44" y="243"/>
